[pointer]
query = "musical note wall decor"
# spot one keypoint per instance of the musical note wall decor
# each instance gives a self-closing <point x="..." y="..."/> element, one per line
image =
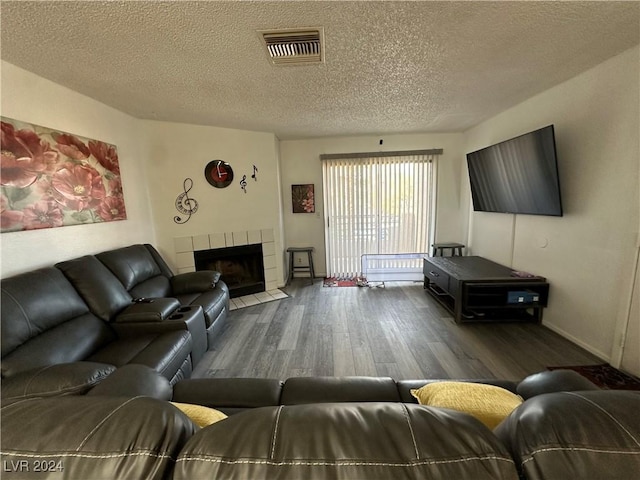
<point x="243" y="183"/>
<point x="254" y="176"/>
<point x="184" y="204"/>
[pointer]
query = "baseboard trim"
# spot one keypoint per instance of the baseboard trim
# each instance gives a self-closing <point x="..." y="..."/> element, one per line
<point x="580" y="343"/>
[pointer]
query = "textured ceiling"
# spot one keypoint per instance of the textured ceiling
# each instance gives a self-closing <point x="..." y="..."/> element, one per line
<point x="390" y="66"/>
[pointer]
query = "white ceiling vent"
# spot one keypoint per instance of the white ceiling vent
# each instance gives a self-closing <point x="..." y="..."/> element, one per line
<point x="299" y="46"/>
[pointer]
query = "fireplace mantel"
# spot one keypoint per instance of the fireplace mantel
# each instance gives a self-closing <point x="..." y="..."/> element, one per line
<point x="185" y="246"/>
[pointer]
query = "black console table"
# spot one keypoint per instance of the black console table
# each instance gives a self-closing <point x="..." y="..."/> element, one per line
<point x="475" y="289"/>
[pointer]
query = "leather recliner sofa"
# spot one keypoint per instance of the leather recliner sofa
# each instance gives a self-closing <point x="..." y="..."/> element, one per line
<point x="143" y="273"/>
<point x="92" y="314"/>
<point x="45" y="322"/>
<point x="320" y="428"/>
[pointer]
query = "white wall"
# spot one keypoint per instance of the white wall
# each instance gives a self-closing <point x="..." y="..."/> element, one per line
<point x="178" y="151"/>
<point x="33" y="99"/>
<point x="300" y="164"/>
<point x="587" y="255"/>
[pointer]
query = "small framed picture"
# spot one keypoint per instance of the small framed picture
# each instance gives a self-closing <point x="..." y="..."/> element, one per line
<point x="303" y="198"/>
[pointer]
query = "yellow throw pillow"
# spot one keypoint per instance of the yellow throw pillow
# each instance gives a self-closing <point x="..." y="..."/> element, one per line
<point x="488" y="403"/>
<point x="201" y="416"/>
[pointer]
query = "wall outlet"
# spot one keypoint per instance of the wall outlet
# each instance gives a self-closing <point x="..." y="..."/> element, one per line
<point x="299" y="260"/>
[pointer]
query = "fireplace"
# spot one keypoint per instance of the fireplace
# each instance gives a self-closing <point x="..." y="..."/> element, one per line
<point x="240" y="267"/>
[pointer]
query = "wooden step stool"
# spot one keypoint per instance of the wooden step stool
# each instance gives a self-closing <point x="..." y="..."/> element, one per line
<point x="305" y="268"/>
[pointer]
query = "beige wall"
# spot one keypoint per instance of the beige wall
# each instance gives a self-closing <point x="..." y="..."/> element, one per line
<point x="32" y="99"/>
<point x="587" y="254"/>
<point x="178" y="151"/>
<point x="300" y="164"/>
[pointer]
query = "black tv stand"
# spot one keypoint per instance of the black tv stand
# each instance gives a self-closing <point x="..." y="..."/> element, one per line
<point x="475" y="289"/>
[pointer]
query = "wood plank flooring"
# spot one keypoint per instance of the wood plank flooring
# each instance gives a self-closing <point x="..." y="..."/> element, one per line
<point x="397" y="331"/>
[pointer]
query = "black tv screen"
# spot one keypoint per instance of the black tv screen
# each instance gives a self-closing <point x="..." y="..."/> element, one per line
<point x="517" y="176"/>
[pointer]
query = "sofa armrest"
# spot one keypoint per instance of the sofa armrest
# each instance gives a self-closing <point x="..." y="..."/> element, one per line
<point x="148" y="310"/>
<point x="194" y="282"/>
<point x="579" y="434"/>
<point x="552" y="381"/>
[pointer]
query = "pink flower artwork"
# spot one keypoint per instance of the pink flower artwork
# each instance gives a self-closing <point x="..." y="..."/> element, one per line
<point x="53" y="179"/>
<point x="303" y="198"/>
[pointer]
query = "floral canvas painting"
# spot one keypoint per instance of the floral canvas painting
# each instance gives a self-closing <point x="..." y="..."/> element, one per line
<point x="303" y="198"/>
<point x="53" y="179"/>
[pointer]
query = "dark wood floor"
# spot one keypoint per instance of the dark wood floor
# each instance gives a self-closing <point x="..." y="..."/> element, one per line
<point x="397" y="331"/>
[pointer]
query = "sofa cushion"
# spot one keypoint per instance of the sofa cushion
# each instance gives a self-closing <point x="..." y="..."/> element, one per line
<point x="585" y="434"/>
<point x="164" y="352"/>
<point x="345" y="440"/>
<point x="134" y="265"/>
<point x="62" y="379"/>
<point x="158" y="286"/>
<point x="72" y="341"/>
<point x="489" y="404"/>
<point x="162" y="265"/>
<point x="35" y="302"/>
<point x="98" y="438"/>
<point x="98" y="286"/>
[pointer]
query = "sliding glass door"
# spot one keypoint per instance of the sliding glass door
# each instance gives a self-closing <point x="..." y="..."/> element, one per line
<point x="377" y="204"/>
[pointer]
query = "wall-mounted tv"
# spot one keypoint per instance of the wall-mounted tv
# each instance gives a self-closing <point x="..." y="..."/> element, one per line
<point x="519" y="175"/>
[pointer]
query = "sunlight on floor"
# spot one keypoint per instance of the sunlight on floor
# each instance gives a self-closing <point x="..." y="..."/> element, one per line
<point x="256" y="299"/>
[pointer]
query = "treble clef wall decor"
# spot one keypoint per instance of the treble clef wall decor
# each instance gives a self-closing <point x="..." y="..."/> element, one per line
<point x="243" y="183"/>
<point x="184" y="204"/>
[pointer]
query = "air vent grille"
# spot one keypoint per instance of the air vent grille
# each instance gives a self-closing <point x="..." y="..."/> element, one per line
<point x="291" y="47"/>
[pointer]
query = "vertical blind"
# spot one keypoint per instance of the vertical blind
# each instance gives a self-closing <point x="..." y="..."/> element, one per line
<point x="376" y="204"/>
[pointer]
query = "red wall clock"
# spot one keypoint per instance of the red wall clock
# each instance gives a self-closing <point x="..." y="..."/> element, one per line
<point x="218" y="173"/>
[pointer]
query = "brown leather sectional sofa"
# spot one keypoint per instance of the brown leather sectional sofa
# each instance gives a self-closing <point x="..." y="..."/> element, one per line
<point x="89" y="367"/>
<point x="318" y="428"/>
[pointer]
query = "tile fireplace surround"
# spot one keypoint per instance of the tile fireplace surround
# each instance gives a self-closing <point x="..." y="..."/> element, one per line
<point x="185" y="262"/>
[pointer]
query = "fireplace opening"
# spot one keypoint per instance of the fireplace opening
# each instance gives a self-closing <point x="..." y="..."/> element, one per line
<point x="241" y="268"/>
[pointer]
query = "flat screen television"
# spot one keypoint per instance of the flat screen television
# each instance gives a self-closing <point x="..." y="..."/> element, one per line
<point x="519" y="175"/>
